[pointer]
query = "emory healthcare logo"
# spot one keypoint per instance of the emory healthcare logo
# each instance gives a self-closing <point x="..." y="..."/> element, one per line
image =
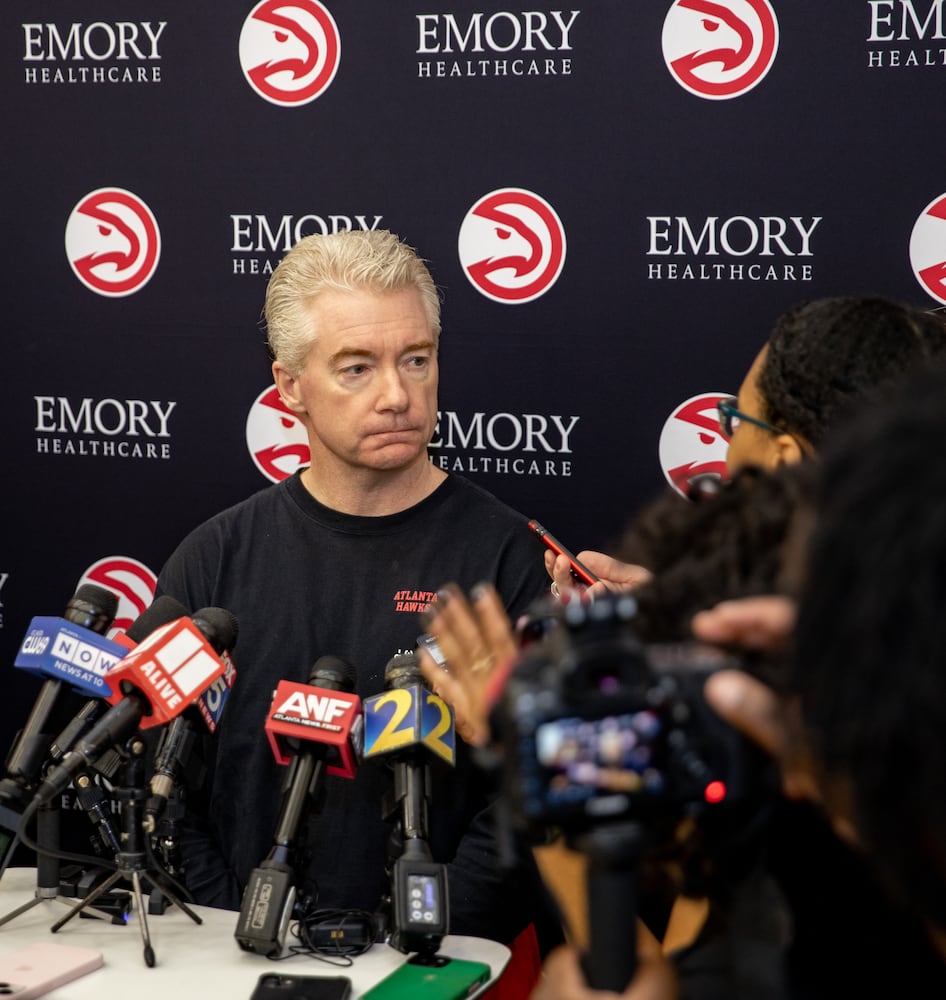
<point x="928" y="248"/>
<point x="289" y="51"/>
<point x="512" y="246"/>
<point x="719" y="50"/>
<point x="275" y="437"/>
<point x="132" y="582"/>
<point x="112" y="242"/>
<point x="692" y="443"/>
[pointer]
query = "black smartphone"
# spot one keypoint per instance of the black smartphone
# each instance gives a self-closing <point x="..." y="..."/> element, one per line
<point x="579" y="570"/>
<point x="279" y="986"/>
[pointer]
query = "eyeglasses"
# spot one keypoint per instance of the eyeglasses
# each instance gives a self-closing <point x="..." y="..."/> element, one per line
<point x="729" y="417"/>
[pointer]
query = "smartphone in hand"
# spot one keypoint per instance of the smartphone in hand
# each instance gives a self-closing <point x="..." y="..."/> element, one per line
<point x="579" y="570"/>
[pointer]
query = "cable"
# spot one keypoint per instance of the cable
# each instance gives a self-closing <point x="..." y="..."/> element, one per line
<point x="87" y="860"/>
<point x="334" y="936"/>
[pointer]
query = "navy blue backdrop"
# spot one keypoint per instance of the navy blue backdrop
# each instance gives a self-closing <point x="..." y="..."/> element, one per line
<point x="615" y="198"/>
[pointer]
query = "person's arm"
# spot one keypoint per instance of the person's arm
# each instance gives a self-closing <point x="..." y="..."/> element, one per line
<point x="563" y="979"/>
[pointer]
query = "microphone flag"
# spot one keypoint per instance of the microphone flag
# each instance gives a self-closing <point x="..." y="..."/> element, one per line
<point x="302" y="712"/>
<point x="57" y="649"/>
<point x="171" y="668"/>
<point x="407" y="717"/>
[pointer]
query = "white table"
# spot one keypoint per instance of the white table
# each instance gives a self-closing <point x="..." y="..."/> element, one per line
<point x="193" y="961"/>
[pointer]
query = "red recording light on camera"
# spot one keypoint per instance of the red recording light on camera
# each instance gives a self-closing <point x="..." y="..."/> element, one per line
<point x="715" y="792"/>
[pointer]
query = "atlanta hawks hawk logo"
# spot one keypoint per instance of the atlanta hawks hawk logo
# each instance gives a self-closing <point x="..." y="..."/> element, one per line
<point x="692" y="444"/>
<point x="512" y="245"/>
<point x="112" y="242"/>
<point x="275" y="437"/>
<point x="289" y="51"/>
<point x="719" y="49"/>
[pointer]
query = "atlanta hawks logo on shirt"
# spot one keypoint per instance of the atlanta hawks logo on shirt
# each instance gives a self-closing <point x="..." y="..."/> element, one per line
<point x="928" y="248"/>
<point x="512" y="245"/>
<point x="275" y="437"/>
<point x="289" y="50"/>
<point x="413" y="600"/>
<point x="719" y="49"/>
<point x="112" y="242"/>
<point x="692" y="444"/>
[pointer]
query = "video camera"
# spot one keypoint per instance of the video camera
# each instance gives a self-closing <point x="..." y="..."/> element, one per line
<point x="594" y="726"/>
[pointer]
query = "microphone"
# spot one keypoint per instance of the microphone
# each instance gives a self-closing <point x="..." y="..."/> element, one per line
<point x="162" y="610"/>
<point x="409" y="726"/>
<point x="89" y="793"/>
<point x="314" y="728"/>
<point x="151" y="685"/>
<point x="220" y="629"/>
<point x="70" y="653"/>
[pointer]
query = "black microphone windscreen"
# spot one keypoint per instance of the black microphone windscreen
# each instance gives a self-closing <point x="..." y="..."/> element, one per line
<point x="332" y="672"/>
<point x="92" y="607"/>
<point x="220" y="628"/>
<point x="162" y="610"/>
<point x="403" y="670"/>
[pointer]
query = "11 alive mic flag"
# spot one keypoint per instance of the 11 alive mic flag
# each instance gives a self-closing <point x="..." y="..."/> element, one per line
<point x="173" y="666"/>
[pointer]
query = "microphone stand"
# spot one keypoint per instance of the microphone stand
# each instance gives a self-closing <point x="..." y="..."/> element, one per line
<point x="131" y="861"/>
<point x="167" y="842"/>
<point x="417" y="907"/>
<point x="48" y="867"/>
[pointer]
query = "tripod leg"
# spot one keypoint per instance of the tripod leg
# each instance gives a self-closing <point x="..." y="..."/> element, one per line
<point x="88" y="901"/>
<point x="21" y="909"/>
<point x="142" y="919"/>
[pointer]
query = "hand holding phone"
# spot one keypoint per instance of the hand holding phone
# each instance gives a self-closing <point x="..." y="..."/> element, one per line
<point x="579" y="570"/>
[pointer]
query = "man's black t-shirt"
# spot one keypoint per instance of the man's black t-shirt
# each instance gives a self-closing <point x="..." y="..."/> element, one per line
<point x="305" y="581"/>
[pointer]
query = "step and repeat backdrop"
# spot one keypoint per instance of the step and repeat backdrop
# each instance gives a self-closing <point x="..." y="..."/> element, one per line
<point x="616" y="198"/>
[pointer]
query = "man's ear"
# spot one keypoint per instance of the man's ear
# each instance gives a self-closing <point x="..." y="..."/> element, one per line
<point x="287" y="385"/>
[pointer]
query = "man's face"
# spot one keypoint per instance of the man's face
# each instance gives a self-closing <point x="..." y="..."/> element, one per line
<point x="749" y="444"/>
<point x="368" y="389"/>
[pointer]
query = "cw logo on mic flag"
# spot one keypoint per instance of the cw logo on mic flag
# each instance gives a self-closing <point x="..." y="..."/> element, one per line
<point x="171" y="668"/>
<point x="315" y="715"/>
<point x="412" y="716"/>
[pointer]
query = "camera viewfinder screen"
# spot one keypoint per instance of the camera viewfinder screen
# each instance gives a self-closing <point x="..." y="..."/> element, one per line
<point x="592" y="757"/>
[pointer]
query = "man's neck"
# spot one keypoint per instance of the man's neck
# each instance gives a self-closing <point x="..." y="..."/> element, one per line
<point x="373" y="492"/>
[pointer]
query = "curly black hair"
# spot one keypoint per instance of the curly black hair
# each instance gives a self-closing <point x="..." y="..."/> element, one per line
<point x="825" y="356"/>
<point x="728" y="539"/>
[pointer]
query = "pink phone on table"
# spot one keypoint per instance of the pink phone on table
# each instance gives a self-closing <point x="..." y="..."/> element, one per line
<point x="34" y="970"/>
<point x="579" y="570"/>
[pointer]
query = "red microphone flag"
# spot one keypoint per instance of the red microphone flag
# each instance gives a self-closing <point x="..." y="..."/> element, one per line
<point x="171" y="668"/>
<point x="302" y="712"/>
